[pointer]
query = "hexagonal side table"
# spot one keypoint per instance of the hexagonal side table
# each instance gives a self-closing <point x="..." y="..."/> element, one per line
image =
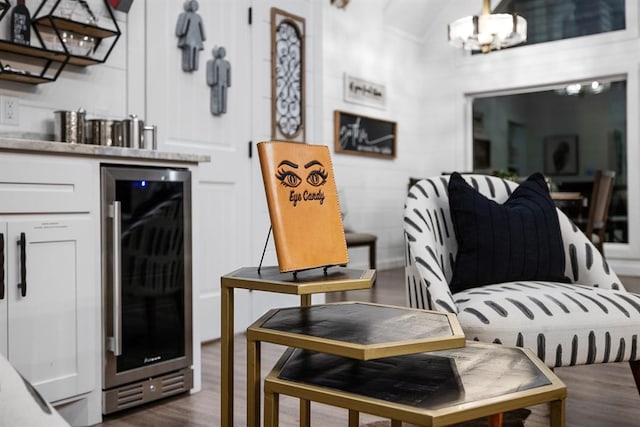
<point x="357" y="330"/>
<point x="269" y="279"/>
<point x="428" y="389"/>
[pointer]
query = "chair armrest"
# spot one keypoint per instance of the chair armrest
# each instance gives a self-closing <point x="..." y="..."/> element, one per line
<point x="583" y="262"/>
<point x="427" y="285"/>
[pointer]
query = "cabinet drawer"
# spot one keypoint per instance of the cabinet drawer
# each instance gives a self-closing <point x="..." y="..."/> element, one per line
<point x="46" y="184"/>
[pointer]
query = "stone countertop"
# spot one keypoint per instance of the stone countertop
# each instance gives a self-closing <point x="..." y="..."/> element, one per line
<point x="64" y="148"/>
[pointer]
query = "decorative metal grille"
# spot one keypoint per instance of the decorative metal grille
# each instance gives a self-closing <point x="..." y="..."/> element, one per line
<point x="288" y="83"/>
<point x="287" y="75"/>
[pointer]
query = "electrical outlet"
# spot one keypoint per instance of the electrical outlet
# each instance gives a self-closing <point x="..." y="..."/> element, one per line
<point x="9" y="110"/>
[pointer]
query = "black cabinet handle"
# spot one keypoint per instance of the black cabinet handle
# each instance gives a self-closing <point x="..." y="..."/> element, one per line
<point x="23" y="264"/>
<point x="1" y="266"/>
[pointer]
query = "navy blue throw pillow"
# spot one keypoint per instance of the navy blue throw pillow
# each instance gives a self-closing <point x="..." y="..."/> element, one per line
<point x="515" y="241"/>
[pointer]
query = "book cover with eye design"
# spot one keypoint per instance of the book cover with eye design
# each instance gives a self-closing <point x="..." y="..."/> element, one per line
<point x="303" y="205"/>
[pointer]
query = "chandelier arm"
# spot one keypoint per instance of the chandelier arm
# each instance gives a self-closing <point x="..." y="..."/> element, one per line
<point x="486" y="7"/>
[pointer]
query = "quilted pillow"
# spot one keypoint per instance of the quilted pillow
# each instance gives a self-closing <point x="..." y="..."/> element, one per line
<point x="515" y="241"/>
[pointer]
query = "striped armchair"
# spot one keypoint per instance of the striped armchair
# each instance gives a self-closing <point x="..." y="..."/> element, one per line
<point x="591" y="320"/>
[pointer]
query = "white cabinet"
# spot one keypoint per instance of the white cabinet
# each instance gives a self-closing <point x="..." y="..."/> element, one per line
<point x="50" y="313"/>
<point x="47" y="303"/>
<point x="50" y="191"/>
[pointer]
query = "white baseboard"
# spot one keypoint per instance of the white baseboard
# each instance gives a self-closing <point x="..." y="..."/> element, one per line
<point x="625" y="267"/>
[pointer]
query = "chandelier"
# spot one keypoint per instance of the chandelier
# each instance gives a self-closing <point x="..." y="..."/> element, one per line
<point x="487" y="31"/>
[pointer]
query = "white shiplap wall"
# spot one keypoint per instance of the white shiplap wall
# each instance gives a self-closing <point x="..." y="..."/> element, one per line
<point x="373" y="190"/>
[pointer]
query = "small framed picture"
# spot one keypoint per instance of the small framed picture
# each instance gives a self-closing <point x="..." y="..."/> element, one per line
<point x="364" y="92"/>
<point x="364" y="136"/>
<point x="561" y="155"/>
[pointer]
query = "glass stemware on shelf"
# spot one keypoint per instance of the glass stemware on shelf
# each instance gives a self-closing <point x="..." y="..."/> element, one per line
<point x="77" y="10"/>
<point x="76" y="44"/>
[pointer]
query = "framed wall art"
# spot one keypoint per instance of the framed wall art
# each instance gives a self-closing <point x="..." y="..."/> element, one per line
<point x="364" y="92"/>
<point x="561" y="155"/>
<point x="365" y="136"/>
<point x="287" y="76"/>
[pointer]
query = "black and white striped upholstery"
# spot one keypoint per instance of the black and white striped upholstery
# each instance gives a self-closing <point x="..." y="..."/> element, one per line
<point x="592" y="320"/>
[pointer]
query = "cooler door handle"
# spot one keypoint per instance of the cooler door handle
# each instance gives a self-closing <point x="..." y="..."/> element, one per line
<point x="1" y="266"/>
<point x="114" y="343"/>
<point x="23" y="264"/>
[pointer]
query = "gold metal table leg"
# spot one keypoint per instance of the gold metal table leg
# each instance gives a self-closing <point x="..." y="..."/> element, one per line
<point x="354" y="418"/>
<point x="557" y="415"/>
<point x="305" y="405"/>
<point x="253" y="383"/>
<point x="226" y="362"/>
<point x="271" y="408"/>
<point x="305" y="300"/>
<point x="305" y="413"/>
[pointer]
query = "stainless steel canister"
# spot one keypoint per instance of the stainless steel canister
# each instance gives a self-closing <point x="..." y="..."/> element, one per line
<point x="100" y="132"/>
<point x="117" y="133"/>
<point x="150" y="144"/>
<point x="69" y="126"/>
<point x="134" y="130"/>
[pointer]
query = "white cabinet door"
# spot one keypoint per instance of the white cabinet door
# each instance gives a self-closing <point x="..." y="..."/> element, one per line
<point x="49" y="336"/>
<point x="3" y="288"/>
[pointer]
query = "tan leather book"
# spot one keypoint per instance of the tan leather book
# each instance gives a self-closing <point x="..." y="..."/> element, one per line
<point x="303" y="205"/>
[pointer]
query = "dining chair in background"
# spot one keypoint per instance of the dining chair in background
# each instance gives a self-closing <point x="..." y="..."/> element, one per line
<point x="599" y="207"/>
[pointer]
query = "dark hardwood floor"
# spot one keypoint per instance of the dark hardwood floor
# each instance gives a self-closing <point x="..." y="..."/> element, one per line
<point x="599" y="395"/>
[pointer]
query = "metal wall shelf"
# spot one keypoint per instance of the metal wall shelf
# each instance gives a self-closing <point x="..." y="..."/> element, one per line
<point x="49" y="62"/>
<point x="4" y="8"/>
<point x="47" y="59"/>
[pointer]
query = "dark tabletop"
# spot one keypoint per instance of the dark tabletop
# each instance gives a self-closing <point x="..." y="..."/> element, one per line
<point x="427" y="380"/>
<point x="273" y="274"/>
<point x="360" y="323"/>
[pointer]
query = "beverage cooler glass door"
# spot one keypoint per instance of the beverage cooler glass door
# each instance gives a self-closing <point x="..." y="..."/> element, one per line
<point x="146" y="235"/>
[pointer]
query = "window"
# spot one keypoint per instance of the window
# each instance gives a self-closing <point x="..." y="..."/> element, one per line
<point x="567" y="133"/>
<point x="549" y="20"/>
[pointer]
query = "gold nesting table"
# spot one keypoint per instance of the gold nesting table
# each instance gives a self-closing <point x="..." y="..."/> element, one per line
<point x="269" y="279"/>
<point x="350" y="330"/>
<point x="401" y="363"/>
<point x="428" y="389"/>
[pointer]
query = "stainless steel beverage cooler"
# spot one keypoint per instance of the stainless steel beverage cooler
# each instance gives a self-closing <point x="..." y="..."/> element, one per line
<point x="146" y="284"/>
